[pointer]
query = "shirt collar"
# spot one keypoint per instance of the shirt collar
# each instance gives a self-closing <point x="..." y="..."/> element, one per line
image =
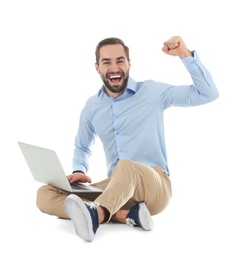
<point x="131" y="87"/>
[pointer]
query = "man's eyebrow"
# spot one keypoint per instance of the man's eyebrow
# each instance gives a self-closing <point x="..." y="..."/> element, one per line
<point x="118" y="58"/>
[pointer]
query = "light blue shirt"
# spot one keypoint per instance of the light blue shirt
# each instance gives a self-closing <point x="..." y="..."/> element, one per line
<point x="131" y="126"/>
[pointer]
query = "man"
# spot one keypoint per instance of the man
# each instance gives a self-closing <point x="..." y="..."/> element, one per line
<point x="128" y="118"/>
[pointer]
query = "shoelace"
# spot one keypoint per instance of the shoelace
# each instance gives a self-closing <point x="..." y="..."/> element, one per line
<point x="92" y="205"/>
<point x="130" y="222"/>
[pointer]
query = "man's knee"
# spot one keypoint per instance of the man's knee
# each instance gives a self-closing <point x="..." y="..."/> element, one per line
<point x="43" y="199"/>
<point x="130" y="165"/>
<point x="125" y="161"/>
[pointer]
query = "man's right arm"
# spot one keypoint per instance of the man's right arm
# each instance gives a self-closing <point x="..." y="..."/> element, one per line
<point x="83" y="142"/>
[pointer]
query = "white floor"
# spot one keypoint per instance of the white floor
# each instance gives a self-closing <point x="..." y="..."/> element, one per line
<point x="192" y="227"/>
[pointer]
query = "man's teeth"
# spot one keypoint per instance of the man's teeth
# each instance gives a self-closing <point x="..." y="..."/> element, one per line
<point x="115" y="77"/>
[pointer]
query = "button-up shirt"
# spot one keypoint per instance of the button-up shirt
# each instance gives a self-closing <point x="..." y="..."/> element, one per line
<point x="131" y="126"/>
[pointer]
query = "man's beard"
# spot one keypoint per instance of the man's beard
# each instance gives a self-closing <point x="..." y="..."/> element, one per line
<point x="116" y="88"/>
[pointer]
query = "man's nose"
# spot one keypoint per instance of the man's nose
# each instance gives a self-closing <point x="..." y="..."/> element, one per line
<point x="114" y="66"/>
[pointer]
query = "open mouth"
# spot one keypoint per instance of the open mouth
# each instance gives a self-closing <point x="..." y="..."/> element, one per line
<point x="115" y="79"/>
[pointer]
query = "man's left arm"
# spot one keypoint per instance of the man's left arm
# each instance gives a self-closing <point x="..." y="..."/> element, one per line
<point x="203" y="89"/>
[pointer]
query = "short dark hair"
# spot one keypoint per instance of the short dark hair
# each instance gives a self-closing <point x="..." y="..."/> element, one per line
<point x="110" y="41"/>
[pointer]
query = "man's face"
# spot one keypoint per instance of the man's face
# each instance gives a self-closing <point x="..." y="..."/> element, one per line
<point x="113" y="68"/>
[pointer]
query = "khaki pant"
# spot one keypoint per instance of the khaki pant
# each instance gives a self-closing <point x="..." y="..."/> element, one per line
<point x="130" y="183"/>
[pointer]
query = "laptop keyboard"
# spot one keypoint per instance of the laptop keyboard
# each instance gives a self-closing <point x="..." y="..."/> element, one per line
<point x="80" y="186"/>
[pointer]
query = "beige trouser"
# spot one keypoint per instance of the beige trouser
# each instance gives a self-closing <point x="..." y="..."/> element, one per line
<point x="130" y="183"/>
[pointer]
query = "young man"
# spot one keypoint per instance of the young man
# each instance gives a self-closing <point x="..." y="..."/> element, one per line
<point x="128" y="118"/>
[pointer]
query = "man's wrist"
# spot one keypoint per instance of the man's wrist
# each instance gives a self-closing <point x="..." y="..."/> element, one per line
<point x="78" y="171"/>
<point x="187" y="54"/>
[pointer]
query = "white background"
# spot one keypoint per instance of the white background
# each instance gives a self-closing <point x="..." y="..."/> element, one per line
<point x="47" y="73"/>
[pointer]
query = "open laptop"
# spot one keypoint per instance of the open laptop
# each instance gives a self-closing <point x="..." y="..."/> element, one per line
<point x="46" y="168"/>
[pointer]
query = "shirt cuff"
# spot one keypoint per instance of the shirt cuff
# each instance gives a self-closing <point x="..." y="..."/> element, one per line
<point x="192" y="63"/>
<point x="79" y="168"/>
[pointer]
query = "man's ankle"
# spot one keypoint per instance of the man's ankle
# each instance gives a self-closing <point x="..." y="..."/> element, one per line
<point x="103" y="214"/>
<point x="120" y="216"/>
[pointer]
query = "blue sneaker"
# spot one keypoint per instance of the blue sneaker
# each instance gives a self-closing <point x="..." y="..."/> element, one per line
<point x="139" y="216"/>
<point x="84" y="216"/>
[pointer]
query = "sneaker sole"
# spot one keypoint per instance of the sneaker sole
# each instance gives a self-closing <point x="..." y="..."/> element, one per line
<point x="80" y="217"/>
<point x="145" y="217"/>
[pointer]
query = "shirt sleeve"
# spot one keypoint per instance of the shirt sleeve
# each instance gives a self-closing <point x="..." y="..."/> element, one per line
<point x="202" y="90"/>
<point x="83" y="142"/>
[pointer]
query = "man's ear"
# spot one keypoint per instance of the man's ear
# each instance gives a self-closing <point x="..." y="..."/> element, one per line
<point x="97" y="67"/>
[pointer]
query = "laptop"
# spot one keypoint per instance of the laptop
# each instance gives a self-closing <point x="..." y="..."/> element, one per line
<point x="46" y="168"/>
